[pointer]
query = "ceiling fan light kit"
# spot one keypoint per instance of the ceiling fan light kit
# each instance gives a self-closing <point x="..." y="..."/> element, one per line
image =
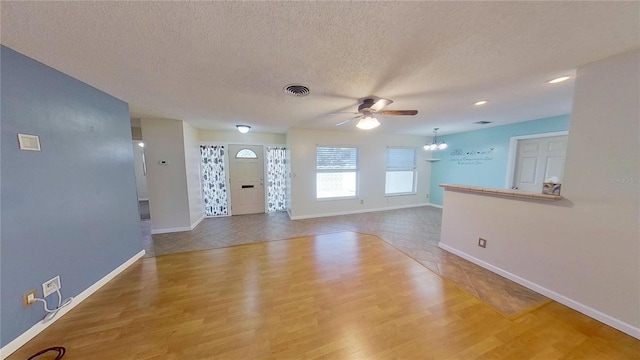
<point x="243" y="128"/>
<point x="434" y="145"/>
<point x="371" y="106"/>
<point x="368" y="123"/>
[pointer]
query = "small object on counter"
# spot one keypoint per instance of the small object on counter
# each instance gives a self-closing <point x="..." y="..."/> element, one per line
<point x="551" y="188"/>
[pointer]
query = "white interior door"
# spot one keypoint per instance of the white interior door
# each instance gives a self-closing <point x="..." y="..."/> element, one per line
<point x="246" y="178"/>
<point x="539" y="159"/>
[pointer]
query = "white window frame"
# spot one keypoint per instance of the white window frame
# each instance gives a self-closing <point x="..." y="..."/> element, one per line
<point x="413" y="168"/>
<point x="331" y="171"/>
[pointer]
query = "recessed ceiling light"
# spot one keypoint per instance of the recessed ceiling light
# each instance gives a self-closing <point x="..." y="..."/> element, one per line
<point x="481" y="102"/>
<point x="559" y="80"/>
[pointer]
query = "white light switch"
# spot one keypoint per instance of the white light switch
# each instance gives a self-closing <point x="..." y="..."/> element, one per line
<point x="29" y="142"/>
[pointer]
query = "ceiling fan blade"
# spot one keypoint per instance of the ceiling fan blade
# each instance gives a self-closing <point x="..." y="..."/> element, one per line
<point x="343" y="112"/>
<point x="348" y="120"/>
<point x="380" y="104"/>
<point x="397" y="112"/>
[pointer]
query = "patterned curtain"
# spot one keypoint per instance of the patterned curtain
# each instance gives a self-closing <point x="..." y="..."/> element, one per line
<point x="276" y="179"/>
<point x="214" y="180"/>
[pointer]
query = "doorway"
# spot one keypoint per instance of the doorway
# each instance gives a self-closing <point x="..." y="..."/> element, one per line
<point x="246" y="179"/>
<point x="141" y="179"/>
<point x="537" y="158"/>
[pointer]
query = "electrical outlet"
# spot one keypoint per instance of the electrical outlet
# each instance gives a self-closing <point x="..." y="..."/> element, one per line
<point x="482" y="242"/>
<point x="49" y="287"/>
<point x="361" y="202"/>
<point x="29" y="298"/>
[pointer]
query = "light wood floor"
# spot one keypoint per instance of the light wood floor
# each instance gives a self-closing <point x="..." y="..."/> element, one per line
<point x="414" y="231"/>
<point x="335" y="296"/>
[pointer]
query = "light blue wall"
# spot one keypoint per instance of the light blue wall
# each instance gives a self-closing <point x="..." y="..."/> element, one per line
<point x="70" y="209"/>
<point x="480" y="157"/>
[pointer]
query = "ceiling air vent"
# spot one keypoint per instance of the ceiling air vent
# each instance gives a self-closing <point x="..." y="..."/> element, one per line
<point x="296" y="90"/>
<point x="483" y="122"/>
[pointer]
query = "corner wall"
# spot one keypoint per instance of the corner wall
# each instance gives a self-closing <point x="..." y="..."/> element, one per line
<point x="173" y="175"/>
<point x="192" y="169"/>
<point x="70" y="209"/>
<point x="583" y="251"/>
<point x="166" y="182"/>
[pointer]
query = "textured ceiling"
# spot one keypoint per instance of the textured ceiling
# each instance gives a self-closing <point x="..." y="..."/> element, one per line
<point x="217" y="64"/>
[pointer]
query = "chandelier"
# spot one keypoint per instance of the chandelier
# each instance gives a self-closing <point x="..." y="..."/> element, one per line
<point x="434" y="145"/>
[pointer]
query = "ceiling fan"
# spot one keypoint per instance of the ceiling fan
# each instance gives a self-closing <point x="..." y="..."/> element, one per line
<point x="369" y="107"/>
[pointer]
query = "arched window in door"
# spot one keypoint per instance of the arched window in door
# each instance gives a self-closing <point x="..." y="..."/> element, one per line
<point x="246" y="154"/>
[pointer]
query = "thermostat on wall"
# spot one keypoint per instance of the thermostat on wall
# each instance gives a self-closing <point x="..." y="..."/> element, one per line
<point x="29" y="142"/>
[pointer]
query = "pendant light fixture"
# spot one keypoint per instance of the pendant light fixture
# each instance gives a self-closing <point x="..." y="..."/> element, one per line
<point x="434" y="145"/>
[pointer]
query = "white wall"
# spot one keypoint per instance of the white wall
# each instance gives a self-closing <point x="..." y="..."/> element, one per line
<point x="192" y="164"/>
<point x="235" y="137"/>
<point x="167" y="184"/>
<point x="372" y="163"/>
<point x="583" y="251"/>
<point x="141" y="178"/>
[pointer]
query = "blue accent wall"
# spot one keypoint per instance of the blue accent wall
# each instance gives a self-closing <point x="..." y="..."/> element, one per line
<point x="70" y="209"/>
<point x="479" y="157"/>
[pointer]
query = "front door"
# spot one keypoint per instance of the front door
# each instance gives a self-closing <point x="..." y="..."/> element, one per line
<point x="246" y="177"/>
<point x="538" y="160"/>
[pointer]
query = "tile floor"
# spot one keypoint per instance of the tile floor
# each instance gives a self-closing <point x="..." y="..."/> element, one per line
<point x="414" y="231"/>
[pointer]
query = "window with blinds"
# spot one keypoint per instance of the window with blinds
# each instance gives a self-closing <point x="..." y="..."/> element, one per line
<point x="336" y="172"/>
<point x="401" y="171"/>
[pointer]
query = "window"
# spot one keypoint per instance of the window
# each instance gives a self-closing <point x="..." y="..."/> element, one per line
<point x="336" y="172"/>
<point x="401" y="172"/>
<point x="246" y="154"/>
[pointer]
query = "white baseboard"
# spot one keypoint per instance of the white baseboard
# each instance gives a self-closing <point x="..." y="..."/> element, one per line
<point x="143" y="199"/>
<point x="435" y="206"/>
<point x="179" y="229"/>
<point x="193" y="226"/>
<point x="16" y="343"/>
<point x="575" y="305"/>
<point x="355" y="211"/>
<point x="171" y="230"/>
